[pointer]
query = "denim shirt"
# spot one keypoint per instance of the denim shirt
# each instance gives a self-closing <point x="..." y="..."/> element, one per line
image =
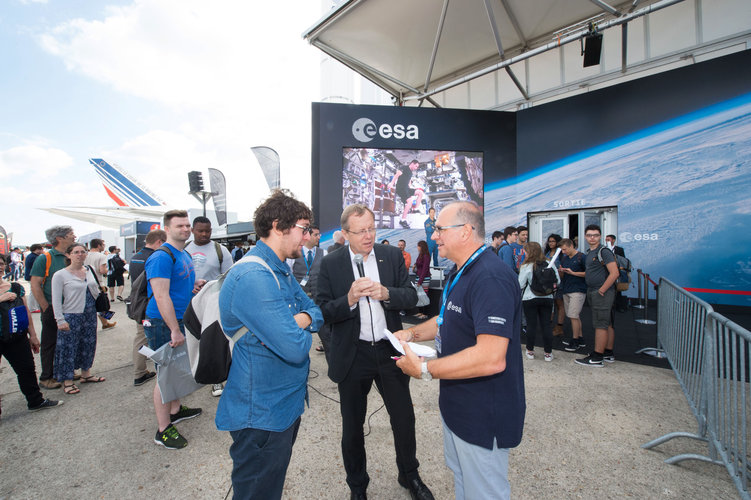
<point x="267" y="384"/>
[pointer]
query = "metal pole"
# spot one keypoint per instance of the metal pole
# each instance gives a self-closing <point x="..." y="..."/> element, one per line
<point x="640" y="304"/>
<point x="646" y="321"/>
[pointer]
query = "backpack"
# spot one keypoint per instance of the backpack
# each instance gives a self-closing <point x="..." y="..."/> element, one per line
<point x="209" y="348"/>
<point x="15" y="319"/>
<point x="624" y="271"/>
<point x="116" y="263"/>
<point x="136" y="303"/>
<point x="544" y="281"/>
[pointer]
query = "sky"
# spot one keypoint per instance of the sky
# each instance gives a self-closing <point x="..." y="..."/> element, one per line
<point x="159" y="87"/>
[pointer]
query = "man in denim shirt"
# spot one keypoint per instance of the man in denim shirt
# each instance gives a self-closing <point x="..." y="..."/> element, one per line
<point x="267" y="384"/>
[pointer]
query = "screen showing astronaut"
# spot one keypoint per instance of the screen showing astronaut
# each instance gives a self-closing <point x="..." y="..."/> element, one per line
<point x="401" y="185"/>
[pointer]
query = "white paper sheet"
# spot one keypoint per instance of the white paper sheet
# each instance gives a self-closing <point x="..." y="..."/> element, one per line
<point x="555" y="256"/>
<point x="419" y="349"/>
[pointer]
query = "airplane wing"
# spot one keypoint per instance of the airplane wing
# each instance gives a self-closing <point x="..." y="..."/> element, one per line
<point x="111" y="217"/>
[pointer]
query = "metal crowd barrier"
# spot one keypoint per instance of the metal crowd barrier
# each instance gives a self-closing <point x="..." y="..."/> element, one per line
<point x="711" y="358"/>
<point x="680" y="335"/>
<point x="726" y="377"/>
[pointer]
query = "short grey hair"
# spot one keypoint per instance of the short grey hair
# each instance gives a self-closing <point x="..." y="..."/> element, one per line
<point x="337" y="235"/>
<point x="468" y="212"/>
<point x="55" y="232"/>
<point x="357" y="210"/>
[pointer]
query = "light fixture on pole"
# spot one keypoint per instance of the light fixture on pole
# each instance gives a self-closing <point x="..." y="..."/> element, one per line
<point x="195" y="183"/>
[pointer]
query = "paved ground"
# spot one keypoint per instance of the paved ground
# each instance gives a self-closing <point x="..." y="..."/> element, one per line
<point x="582" y="438"/>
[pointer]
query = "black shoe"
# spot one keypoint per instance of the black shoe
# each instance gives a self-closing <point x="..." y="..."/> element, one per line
<point x="184" y="414"/>
<point x="47" y="403"/>
<point x="404" y="224"/>
<point x="591" y="360"/>
<point x="358" y="495"/>
<point x="417" y="489"/>
<point x="142" y="380"/>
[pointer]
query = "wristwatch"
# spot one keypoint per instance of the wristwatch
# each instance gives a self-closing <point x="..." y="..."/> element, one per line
<point x="425" y="375"/>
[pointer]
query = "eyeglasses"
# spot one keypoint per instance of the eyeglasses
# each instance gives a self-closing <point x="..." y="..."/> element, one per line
<point x="363" y="232"/>
<point x="591" y="235"/>
<point x="305" y="229"/>
<point x="440" y="229"/>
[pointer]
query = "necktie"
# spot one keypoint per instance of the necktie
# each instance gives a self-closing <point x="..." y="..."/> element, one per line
<point x="309" y="259"/>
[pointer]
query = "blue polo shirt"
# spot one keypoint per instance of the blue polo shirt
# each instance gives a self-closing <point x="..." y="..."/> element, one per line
<point x="485" y="300"/>
<point x="569" y="283"/>
<point x="181" y="275"/>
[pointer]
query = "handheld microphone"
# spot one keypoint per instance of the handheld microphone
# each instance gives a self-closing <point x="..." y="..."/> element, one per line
<point x="361" y="270"/>
<point x="360" y="267"/>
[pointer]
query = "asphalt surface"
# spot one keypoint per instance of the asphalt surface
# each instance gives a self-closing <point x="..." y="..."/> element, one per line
<point x="582" y="438"/>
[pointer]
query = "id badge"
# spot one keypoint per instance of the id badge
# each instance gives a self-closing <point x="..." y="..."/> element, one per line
<point x="304" y="281"/>
<point x="438" y="340"/>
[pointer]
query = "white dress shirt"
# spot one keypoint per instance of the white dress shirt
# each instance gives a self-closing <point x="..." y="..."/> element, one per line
<point x="378" y="315"/>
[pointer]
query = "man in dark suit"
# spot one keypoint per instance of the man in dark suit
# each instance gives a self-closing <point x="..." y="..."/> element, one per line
<point x="358" y="306"/>
<point x="339" y="240"/>
<point x="621" y="301"/>
<point x="305" y="269"/>
<point x="610" y="240"/>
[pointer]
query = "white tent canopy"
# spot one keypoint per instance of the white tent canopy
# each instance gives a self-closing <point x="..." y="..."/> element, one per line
<point x="420" y="50"/>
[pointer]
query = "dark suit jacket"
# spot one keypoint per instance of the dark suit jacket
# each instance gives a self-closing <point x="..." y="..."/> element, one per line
<point x="334" y="281"/>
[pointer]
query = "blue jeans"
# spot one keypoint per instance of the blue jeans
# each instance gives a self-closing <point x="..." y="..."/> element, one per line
<point x="479" y="473"/>
<point x="158" y="333"/>
<point x="259" y="461"/>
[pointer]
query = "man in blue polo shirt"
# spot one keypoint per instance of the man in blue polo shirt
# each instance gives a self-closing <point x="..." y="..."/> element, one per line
<point x="479" y="357"/>
<point x="172" y="282"/>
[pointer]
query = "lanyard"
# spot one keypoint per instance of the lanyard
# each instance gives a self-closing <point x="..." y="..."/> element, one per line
<point x="447" y="290"/>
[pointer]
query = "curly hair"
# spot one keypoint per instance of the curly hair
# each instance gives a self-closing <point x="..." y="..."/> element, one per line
<point x="281" y="206"/>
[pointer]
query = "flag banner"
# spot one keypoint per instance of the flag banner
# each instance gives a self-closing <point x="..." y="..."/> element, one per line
<point x="269" y="161"/>
<point x="219" y="192"/>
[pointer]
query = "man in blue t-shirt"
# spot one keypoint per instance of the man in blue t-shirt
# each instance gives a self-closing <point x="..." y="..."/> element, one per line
<point x="479" y="357"/>
<point x="171" y="285"/>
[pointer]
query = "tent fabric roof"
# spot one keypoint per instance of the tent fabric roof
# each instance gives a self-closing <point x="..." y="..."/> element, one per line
<point x="415" y="48"/>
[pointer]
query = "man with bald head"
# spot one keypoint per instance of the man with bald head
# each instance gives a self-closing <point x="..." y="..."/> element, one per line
<point x="479" y="356"/>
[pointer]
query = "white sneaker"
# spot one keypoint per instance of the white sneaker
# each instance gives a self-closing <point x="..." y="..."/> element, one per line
<point x="548" y="356"/>
<point x="530" y="354"/>
<point x="217" y="390"/>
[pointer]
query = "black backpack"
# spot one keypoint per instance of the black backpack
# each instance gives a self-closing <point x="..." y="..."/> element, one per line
<point x="116" y="263"/>
<point x="544" y="280"/>
<point x="15" y="321"/>
<point x="136" y="303"/>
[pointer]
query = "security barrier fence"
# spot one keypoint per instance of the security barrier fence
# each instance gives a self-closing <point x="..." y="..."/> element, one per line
<point x="711" y="358"/>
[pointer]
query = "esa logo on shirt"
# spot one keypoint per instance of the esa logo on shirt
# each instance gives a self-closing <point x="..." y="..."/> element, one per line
<point x="453" y="307"/>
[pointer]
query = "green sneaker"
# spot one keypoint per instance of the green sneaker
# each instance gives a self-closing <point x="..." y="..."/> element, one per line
<point x="170" y="438"/>
<point x="184" y="414"/>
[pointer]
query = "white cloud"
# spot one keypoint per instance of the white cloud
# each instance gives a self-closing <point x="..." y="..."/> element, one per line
<point x="235" y="74"/>
<point x="33" y="159"/>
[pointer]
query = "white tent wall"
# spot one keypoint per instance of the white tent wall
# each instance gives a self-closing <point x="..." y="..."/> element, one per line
<point x="678" y="35"/>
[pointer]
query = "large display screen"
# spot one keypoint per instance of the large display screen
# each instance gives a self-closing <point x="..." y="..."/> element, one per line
<point x="401" y="185"/>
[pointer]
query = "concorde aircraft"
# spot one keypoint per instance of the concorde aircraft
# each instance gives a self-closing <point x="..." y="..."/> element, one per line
<point x="134" y="200"/>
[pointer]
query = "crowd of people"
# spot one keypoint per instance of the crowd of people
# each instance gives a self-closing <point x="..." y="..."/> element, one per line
<point x="350" y="294"/>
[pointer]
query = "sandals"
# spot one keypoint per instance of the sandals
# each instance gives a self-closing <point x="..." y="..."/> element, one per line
<point x="71" y="389"/>
<point x="92" y="379"/>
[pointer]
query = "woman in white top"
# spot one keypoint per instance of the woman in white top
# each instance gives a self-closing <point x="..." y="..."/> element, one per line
<point x="74" y="292"/>
<point x="537" y="308"/>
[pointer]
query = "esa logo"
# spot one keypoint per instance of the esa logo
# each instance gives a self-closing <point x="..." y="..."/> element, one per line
<point x="364" y="130"/>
